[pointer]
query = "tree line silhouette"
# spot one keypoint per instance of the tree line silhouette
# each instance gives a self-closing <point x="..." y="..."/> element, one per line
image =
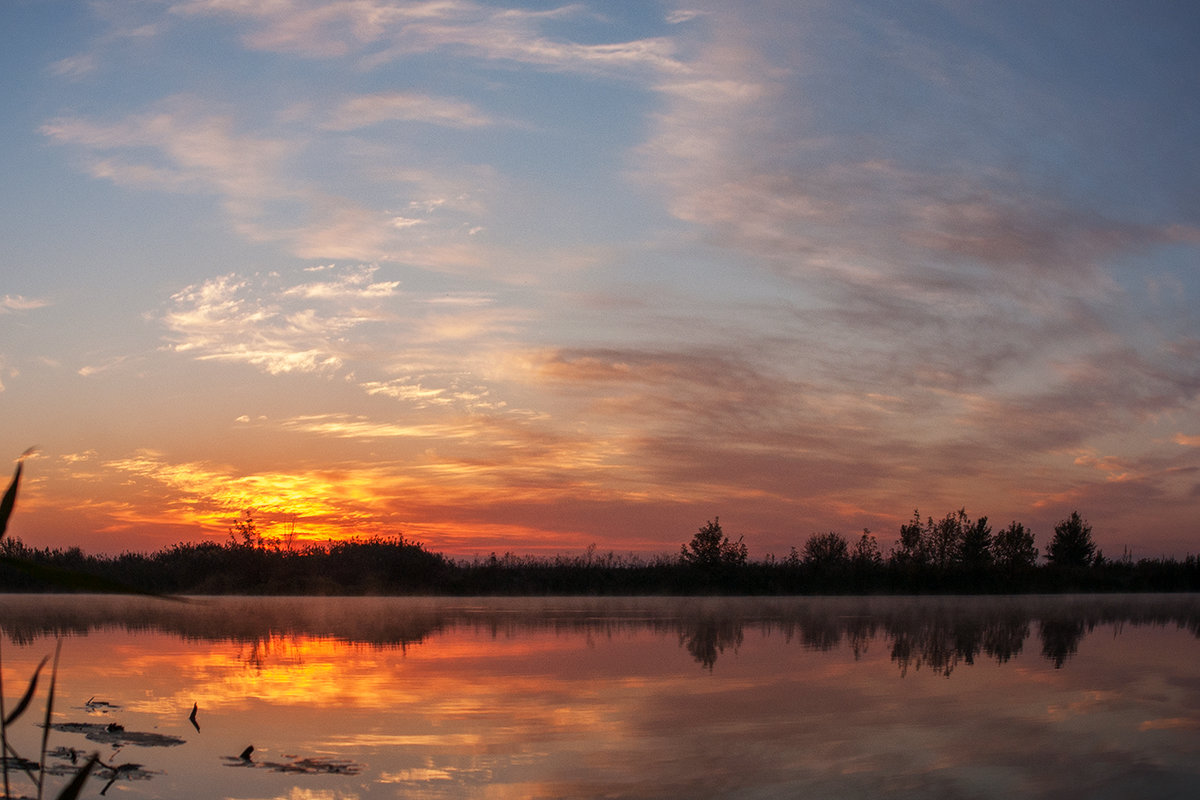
<point x="953" y="554"/>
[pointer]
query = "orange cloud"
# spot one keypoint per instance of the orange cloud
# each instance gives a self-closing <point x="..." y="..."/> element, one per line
<point x="1170" y="723"/>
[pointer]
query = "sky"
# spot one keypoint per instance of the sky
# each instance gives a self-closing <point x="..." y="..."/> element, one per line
<point x="532" y="276"/>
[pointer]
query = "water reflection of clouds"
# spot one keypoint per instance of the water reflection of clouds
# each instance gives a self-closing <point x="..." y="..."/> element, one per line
<point x="306" y="793"/>
<point x="504" y="702"/>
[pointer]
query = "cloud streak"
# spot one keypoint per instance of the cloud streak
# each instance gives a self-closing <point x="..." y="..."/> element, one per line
<point x="365" y="110"/>
<point x="11" y="302"/>
<point x="379" y="32"/>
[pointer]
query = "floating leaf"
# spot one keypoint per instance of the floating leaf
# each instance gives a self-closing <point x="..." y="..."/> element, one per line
<point x="116" y="735"/>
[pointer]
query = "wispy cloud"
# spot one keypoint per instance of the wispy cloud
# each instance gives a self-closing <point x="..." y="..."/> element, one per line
<point x="222" y="320"/>
<point x="379" y="31"/>
<point x="89" y="370"/>
<point x="16" y="302"/>
<point x="192" y="151"/>
<point x="425" y="350"/>
<point x="344" y="426"/>
<point x="350" y="284"/>
<point x="359" y="112"/>
<point x="263" y="182"/>
<point x="748" y="147"/>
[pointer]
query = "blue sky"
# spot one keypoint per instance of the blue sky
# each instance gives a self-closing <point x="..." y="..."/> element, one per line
<point x="526" y="277"/>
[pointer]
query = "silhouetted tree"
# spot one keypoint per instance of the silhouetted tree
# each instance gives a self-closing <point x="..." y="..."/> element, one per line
<point x="1072" y="545"/>
<point x="711" y="548"/>
<point x="826" y="550"/>
<point x="1013" y="548"/>
<point x="913" y="548"/>
<point x="946" y="536"/>
<point x="865" y="552"/>
<point x="975" y="547"/>
<point x="246" y="530"/>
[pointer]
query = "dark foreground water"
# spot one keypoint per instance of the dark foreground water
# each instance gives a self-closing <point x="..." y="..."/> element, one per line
<point x="1010" y="697"/>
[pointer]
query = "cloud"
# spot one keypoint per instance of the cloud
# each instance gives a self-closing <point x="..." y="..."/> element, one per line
<point x="222" y="320"/>
<point x="124" y="28"/>
<point x="365" y="110"/>
<point x="346" y="426"/>
<point x="751" y="145"/>
<point x="1169" y="724"/>
<point x="265" y="188"/>
<point x="95" y="369"/>
<point x="425" y="350"/>
<point x="211" y="496"/>
<point x="681" y="15"/>
<point x="311" y="176"/>
<point x="75" y="66"/>
<point x="16" y="302"/>
<point x="987" y="298"/>
<point x="379" y="32"/>
<point x="351" y="284"/>
<point x="193" y="151"/>
<point x="476" y="476"/>
<point x="183" y="147"/>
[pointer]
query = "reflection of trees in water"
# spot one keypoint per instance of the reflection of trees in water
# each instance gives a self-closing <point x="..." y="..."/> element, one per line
<point x="1060" y="638"/>
<point x="706" y="638"/>
<point x="942" y="642"/>
<point x="940" y="633"/>
<point x="258" y="654"/>
<point x="245" y="620"/>
<point x="935" y="633"/>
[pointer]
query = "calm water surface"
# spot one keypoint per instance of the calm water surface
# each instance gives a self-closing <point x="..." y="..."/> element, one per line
<point x="1075" y="696"/>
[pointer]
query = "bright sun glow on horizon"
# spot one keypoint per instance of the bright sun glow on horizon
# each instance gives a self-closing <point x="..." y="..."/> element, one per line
<point x="525" y="276"/>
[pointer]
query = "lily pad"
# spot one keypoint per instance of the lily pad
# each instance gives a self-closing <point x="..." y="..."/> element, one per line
<point x="116" y="735"/>
<point x="302" y="766"/>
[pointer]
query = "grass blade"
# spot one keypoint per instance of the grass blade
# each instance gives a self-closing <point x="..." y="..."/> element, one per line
<point x="46" y="728"/>
<point x="71" y="790"/>
<point x="23" y="703"/>
<point x="10" y="499"/>
<point x="3" y="731"/>
<point x="10" y="496"/>
<point x="20" y="762"/>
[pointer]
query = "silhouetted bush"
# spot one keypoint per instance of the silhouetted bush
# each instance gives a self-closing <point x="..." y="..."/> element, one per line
<point x="952" y="555"/>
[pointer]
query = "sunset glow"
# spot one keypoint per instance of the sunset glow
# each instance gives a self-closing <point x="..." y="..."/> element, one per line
<point x="528" y="276"/>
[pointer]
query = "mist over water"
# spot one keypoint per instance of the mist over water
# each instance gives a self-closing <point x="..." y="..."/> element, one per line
<point x="1063" y="696"/>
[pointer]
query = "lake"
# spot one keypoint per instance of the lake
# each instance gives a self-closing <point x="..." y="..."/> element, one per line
<point x="855" y="697"/>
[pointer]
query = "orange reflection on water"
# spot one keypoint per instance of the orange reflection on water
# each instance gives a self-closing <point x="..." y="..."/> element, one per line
<point x="522" y="698"/>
